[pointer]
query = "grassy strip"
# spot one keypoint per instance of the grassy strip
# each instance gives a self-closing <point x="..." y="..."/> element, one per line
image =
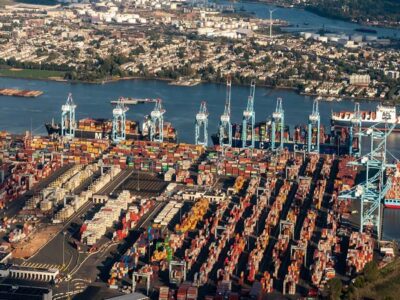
<point x="31" y="74"/>
<point x="36" y="2"/>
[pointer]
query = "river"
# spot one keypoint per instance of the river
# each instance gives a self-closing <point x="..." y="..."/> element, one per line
<point x="303" y="20"/>
<point x="20" y="114"/>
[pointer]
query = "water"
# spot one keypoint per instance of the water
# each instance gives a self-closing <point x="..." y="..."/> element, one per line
<point x="182" y="103"/>
<point x="303" y="20"/>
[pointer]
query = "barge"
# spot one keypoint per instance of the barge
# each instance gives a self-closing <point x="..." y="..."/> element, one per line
<point x="20" y="93"/>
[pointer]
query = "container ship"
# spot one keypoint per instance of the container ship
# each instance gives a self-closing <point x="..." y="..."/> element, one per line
<point x="89" y="128"/>
<point x="383" y="114"/>
<point x="392" y="199"/>
<point x="336" y="142"/>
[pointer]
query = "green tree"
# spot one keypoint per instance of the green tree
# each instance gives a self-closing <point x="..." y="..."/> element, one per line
<point x="334" y="288"/>
<point x="371" y="271"/>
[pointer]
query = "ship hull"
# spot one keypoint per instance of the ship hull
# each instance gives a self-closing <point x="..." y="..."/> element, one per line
<point x="98" y="135"/>
<point x="346" y="124"/>
<point x="53" y="129"/>
<point x="291" y="146"/>
<point x="393" y="204"/>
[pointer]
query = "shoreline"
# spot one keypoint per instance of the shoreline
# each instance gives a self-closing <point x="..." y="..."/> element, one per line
<point x="127" y="78"/>
<point x="170" y="81"/>
<point x="316" y="12"/>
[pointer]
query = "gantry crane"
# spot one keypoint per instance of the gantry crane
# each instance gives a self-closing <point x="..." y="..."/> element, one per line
<point x="355" y="131"/>
<point x="157" y="122"/>
<point x="278" y="122"/>
<point x="225" y="125"/>
<point x="314" y="121"/>
<point x="119" y="122"/>
<point x="372" y="191"/>
<point x="202" y="124"/>
<point x="249" y="118"/>
<point x="68" y="123"/>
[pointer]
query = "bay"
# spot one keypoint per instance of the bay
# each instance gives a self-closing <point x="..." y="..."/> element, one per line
<point x="303" y="20"/>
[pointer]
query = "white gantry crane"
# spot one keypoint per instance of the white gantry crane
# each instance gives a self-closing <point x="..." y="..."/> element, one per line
<point x="68" y="122"/>
<point x="373" y="190"/>
<point x="225" y="125"/>
<point x="314" y="121"/>
<point x="157" y="122"/>
<point x="278" y="124"/>
<point x="249" y="118"/>
<point x="355" y="132"/>
<point x="201" y="124"/>
<point x="119" y="122"/>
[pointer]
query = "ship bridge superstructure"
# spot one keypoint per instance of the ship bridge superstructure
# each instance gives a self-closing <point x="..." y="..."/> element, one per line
<point x="68" y="122"/>
<point x="355" y="132"/>
<point x="201" y="125"/>
<point x="249" y="118"/>
<point x="278" y="124"/>
<point x="157" y="122"/>
<point x="225" y="125"/>
<point x="119" y="122"/>
<point x="314" y="124"/>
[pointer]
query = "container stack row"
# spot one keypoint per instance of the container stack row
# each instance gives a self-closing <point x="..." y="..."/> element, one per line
<point x="195" y="215"/>
<point x="219" y="244"/>
<point x="361" y="250"/>
<point x="95" y="228"/>
<point x="77" y="151"/>
<point x="77" y="201"/>
<point x="151" y="156"/>
<point x="19" y="174"/>
<point x="130" y="259"/>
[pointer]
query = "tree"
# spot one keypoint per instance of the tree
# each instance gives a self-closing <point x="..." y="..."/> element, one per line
<point x="371" y="271"/>
<point x="352" y="293"/>
<point x="334" y="288"/>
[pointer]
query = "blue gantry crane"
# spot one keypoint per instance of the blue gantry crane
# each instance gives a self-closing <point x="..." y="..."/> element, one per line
<point x="68" y="122"/>
<point x="157" y="122"/>
<point x="249" y="118"/>
<point x="372" y="191"/>
<point x="314" y="121"/>
<point x="119" y="122"/>
<point x="278" y="123"/>
<point x="201" y="124"/>
<point x="225" y="125"/>
<point x="355" y="132"/>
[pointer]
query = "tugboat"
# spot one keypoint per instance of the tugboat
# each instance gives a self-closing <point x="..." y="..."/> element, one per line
<point x="53" y="128"/>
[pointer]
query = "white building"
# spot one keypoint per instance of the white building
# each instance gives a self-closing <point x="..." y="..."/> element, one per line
<point x="357" y="79"/>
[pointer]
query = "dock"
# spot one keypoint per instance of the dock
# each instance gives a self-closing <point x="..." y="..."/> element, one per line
<point x="133" y="101"/>
<point x="185" y="82"/>
<point x="20" y="93"/>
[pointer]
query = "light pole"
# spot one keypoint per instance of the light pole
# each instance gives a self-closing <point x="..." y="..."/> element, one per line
<point x="270" y="22"/>
<point x="69" y="279"/>
<point x="63" y="251"/>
